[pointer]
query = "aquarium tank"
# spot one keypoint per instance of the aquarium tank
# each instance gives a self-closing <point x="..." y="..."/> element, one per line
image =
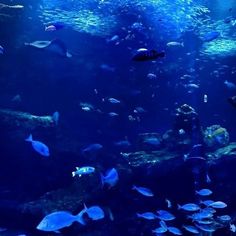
<point x="117" y="117"/>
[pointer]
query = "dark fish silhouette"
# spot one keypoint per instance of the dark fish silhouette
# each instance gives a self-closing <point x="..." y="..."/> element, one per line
<point x="232" y="101"/>
<point x="144" y="54"/>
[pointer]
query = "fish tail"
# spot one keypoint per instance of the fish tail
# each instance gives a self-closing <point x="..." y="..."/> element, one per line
<point x="79" y="218"/>
<point x="29" y="139"/>
<point x="182" y="44"/>
<point x="133" y="187"/>
<point x="179" y="207"/>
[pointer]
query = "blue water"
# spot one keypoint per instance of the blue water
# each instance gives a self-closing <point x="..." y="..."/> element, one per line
<point x="102" y="37"/>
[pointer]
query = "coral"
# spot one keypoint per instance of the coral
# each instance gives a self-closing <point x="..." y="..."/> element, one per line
<point x="215" y="136"/>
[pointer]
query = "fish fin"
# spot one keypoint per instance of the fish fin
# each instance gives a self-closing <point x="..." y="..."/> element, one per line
<point x="182" y="44"/>
<point x="179" y="207"/>
<point x="77" y="168"/>
<point x="57" y="231"/>
<point x="73" y="174"/>
<point x="85" y="207"/>
<point x="133" y="187"/>
<point x="29" y="139"/>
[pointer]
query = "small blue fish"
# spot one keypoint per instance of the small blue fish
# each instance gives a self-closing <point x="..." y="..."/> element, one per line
<point x="113" y="114"/>
<point x="191" y="229"/>
<point x="154" y="141"/>
<point x="147" y="215"/>
<point x="111" y="178"/>
<point x="168" y="202"/>
<point x="113" y="100"/>
<point x="165" y="215"/>
<point x="206" y="228"/>
<point x="210" y="36"/>
<point x="224" y="218"/>
<point x="92" y="148"/>
<point x="1" y="50"/>
<point x="189" y="207"/>
<point x="163" y="224"/>
<point x="207" y="202"/>
<point x="54" y="26"/>
<point x="122" y="143"/>
<point x="94" y="212"/>
<point x="174" y="230"/>
<point x="200" y="215"/>
<point x="204" y="192"/>
<point x="159" y="230"/>
<point x="59" y="220"/>
<point x="86" y="170"/>
<point x="218" y="204"/>
<point x="55" y="117"/>
<point x="38" y="146"/>
<point x="144" y="191"/>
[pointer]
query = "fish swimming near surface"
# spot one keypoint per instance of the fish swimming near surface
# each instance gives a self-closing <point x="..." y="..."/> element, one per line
<point x="144" y="54"/>
<point x="56" y="46"/>
<point x="38" y="146"/>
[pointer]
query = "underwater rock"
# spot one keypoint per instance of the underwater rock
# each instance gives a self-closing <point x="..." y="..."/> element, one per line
<point x="224" y="152"/>
<point x="17" y="119"/>
<point x="216" y="136"/>
<point x="186" y="118"/>
<point x="164" y="160"/>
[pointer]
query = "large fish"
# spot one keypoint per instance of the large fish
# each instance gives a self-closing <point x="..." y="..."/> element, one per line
<point x="56" y="46"/>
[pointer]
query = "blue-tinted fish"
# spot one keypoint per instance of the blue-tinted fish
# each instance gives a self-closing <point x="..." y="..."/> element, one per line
<point x="154" y="141"/>
<point x="200" y="215"/>
<point x="206" y="228"/>
<point x="83" y="171"/>
<point x="55" y="117"/>
<point x="59" y="220"/>
<point x="189" y="207"/>
<point x="113" y="100"/>
<point x="165" y="215"/>
<point x="144" y="54"/>
<point x="92" y="148"/>
<point x="94" y="212"/>
<point x="1" y="50"/>
<point x="144" y="191"/>
<point x="56" y="46"/>
<point x="38" y="146"/>
<point x="230" y="85"/>
<point x="147" y="215"/>
<point x="168" y="202"/>
<point x="111" y="178"/>
<point x="207" y="202"/>
<point x="218" y="204"/>
<point x="191" y="229"/>
<point x="113" y="114"/>
<point x="174" y="230"/>
<point x="54" y="26"/>
<point x="122" y="143"/>
<point x="204" y="192"/>
<point x="224" y="218"/>
<point x="210" y="36"/>
<point x="163" y="224"/>
<point x="159" y="230"/>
